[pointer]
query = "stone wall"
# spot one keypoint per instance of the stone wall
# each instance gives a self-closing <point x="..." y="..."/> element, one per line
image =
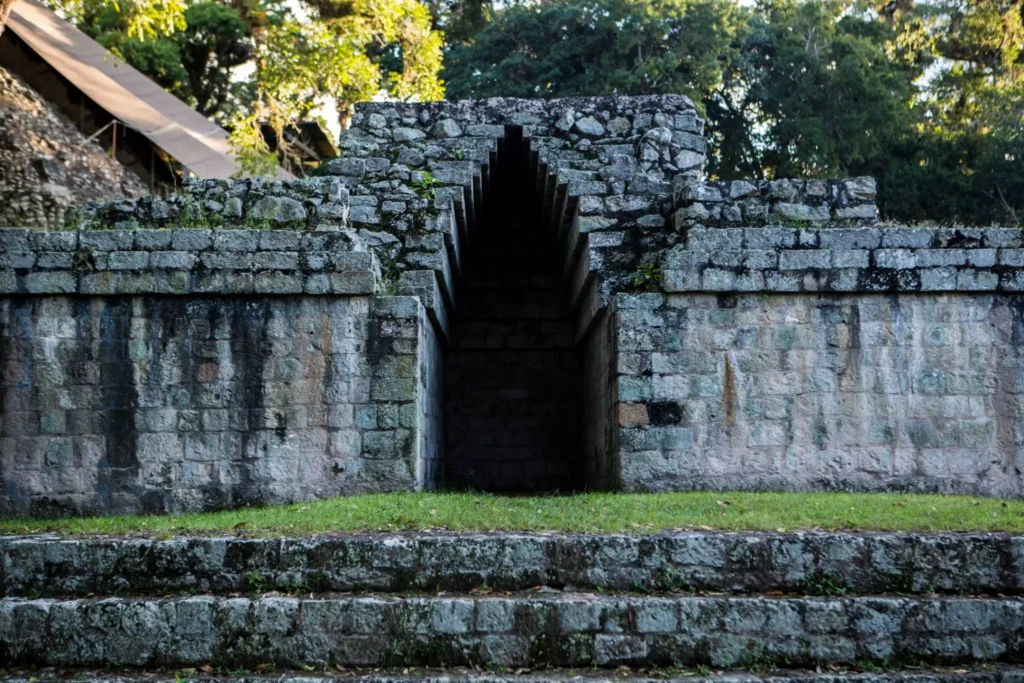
<point x="795" y="392"/>
<point x="729" y="203"/>
<point x="843" y="259"/>
<point x="185" y="261"/>
<point x="729" y="333"/>
<point x="822" y="353"/>
<point x="175" y="370"/>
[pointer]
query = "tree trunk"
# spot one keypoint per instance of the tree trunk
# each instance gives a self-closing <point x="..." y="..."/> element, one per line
<point x="5" y="9"/>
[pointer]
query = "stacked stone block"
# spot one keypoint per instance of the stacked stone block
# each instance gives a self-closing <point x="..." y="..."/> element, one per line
<point x="651" y="261"/>
<point x="292" y="382"/>
<point x="877" y="258"/>
<point x="738" y="202"/>
<point x="801" y="563"/>
<point x="661" y="621"/>
<point x="773" y="391"/>
<point x="602" y="164"/>
<point x="771" y="362"/>
<point x="321" y="203"/>
<point x="185" y="261"/>
<point x="566" y="631"/>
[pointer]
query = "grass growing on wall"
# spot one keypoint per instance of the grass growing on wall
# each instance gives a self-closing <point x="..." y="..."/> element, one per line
<point x="627" y="513"/>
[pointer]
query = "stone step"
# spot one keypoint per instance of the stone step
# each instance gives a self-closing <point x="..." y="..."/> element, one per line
<point x="803" y="563"/>
<point x="570" y="630"/>
<point x="917" y="674"/>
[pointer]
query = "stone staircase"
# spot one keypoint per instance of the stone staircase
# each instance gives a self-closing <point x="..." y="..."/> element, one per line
<point x="497" y="607"/>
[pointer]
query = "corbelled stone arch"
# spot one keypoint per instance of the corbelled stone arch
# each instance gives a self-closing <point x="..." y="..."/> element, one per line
<point x="594" y="178"/>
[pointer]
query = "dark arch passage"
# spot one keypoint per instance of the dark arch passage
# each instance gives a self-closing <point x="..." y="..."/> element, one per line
<point x="513" y="387"/>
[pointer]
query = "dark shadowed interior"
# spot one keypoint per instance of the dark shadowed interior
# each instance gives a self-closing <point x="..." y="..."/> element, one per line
<point x="513" y="388"/>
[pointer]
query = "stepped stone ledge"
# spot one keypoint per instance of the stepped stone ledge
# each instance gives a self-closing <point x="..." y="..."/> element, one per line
<point x="989" y="674"/>
<point x="807" y="563"/>
<point x="565" y="630"/>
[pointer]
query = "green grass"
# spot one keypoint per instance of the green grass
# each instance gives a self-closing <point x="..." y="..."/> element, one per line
<point x="629" y="513"/>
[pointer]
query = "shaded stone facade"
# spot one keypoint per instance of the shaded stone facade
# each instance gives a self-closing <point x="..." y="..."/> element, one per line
<point x="172" y="370"/>
<point x="546" y="295"/>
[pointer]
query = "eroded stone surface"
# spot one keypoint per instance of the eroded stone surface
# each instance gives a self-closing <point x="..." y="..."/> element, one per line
<point x="801" y="563"/>
<point x="147" y="404"/>
<point x="913" y="392"/>
<point x="982" y="674"/>
<point x="570" y="630"/>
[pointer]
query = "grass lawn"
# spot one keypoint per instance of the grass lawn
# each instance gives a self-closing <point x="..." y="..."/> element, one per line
<point x="595" y="512"/>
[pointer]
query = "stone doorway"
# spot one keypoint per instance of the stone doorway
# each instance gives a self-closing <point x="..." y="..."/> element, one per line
<point x="513" y="387"/>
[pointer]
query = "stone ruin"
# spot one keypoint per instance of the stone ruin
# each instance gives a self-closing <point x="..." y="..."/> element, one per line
<point x="506" y="295"/>
<point x="47" y="164"/>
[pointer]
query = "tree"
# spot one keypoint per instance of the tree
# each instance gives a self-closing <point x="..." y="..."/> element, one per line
<point x="927" y="99"/>
<point x="811" y="92"/>
<point x="304" y="55"/>
<point x="215" y="41"/>
<point x="593" y="47"/>
<point x="141" y="19"/>
<point x="972" y="106"/>
<point x="194" y="63"/>
<point x="349" y="51"/>
<point x="926" y="96"/>
<point x="461" y="20"/>
<point x="145" y="18"/>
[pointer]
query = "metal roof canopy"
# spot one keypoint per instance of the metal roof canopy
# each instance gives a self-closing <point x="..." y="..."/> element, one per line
<point x="197" y="143"/>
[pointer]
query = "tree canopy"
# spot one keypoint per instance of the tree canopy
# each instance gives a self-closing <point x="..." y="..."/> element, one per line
<point x="256" y="64"/>
<point x="927" y="96"/>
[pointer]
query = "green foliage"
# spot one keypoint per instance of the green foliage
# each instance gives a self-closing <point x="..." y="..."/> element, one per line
<point x="350" y="52"/>
<point x="811" y="93"/>
<point x="253" y="223"/>
<point x="140" y="19"/>
<point x="215" y="41"/>
<point x="827" y="88"/>
<point x="304" y="55"/>
<point x="255" y="157"/>
<point x="194" y="62"/>
<point x="194" y="216"/>
<point x="647" y="278"/>
<point x="926" y="97"/>
<point x="460" y="20"/>
<point x="823" y="584"/>
<point x="595" y="47"/>
<point x="425" y="184"/>
<point x="257" y="582"/>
